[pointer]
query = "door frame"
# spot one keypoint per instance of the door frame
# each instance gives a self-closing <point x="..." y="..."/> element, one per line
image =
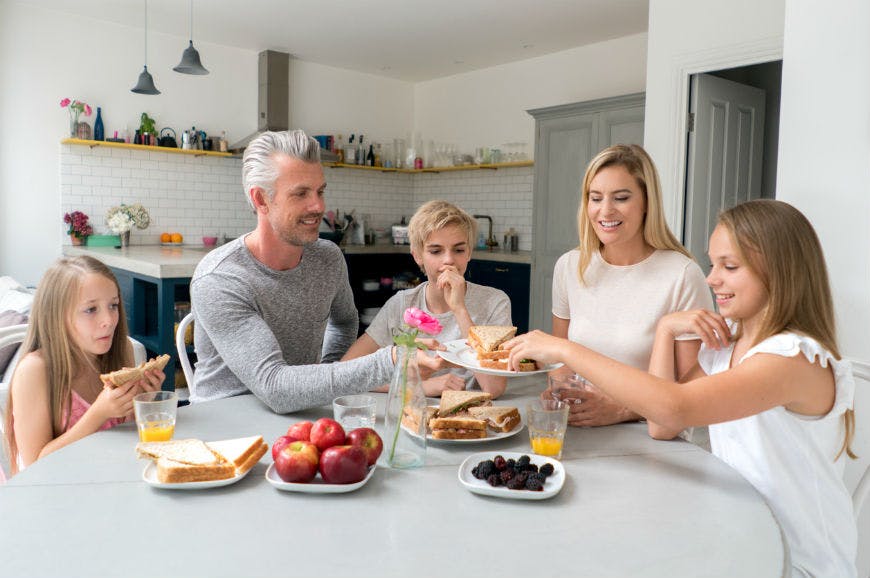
<point x="683" y="66"/>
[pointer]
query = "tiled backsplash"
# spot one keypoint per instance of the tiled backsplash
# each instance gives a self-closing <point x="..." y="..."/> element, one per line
<point x="203" y="195"/>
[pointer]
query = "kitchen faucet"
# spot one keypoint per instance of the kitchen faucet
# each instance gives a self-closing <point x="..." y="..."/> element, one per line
<point x="491" y="243"/>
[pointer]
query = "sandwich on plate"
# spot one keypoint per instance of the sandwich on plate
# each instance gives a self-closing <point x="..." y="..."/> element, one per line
<point x="127" y="374"/>
<point x="457" y="428"/>
<point x="457" y="402"/>
<point x="486" y="340"/>
<point x="192" y="460"/>
<point x="411" y="419"/>
<point x="498" y="418"/>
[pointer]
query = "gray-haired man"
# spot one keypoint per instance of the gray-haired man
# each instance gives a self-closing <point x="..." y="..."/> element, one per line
<point x="274" y="307"/>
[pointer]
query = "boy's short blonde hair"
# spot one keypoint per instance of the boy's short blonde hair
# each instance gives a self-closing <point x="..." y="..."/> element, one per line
<point x="436" y="215"/>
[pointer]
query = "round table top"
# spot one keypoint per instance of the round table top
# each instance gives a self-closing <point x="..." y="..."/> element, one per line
<point x="630" y="506"/>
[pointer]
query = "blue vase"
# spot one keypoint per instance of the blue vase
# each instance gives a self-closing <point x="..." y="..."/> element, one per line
<point x="98" y="126"/>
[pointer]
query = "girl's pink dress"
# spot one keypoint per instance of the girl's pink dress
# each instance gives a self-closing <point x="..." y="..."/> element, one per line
<point x="78" y="409"/>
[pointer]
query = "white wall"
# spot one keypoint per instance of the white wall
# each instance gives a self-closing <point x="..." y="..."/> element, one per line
<point x="488" y="107"/>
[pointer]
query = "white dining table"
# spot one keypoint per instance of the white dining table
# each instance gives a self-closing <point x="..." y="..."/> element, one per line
<point x="630" y="506"/>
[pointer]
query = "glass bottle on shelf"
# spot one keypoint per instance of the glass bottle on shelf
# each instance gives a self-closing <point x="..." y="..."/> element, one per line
<point x="99" y="131"/>
<point x="361" y="152"/>
<point x="338" y="146"/>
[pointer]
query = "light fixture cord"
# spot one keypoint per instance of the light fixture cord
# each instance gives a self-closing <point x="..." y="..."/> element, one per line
<point x="191" y="20"/>
<point x="146" y="33"/>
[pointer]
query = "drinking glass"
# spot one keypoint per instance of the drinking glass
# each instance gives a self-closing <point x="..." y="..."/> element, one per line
<point x="568" y="387"/>
<point x="354" y="411"/>
<point x="547" y="420"/>
<point x="155" y="415"/>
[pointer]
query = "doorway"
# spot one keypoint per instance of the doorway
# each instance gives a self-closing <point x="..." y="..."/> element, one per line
<point x="732" y="144"/>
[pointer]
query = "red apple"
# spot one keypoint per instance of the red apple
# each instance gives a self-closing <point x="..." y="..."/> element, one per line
<point x="300" y="431"/>
<point x="326" y="433"/>
<point x="343" y="465"/>
<point x="297" y="462"/>
<point x="369" y="440"/>
<point x="279" y="445"/>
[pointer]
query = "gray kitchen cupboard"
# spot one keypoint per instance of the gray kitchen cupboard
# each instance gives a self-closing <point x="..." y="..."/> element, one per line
<point x="566" y="139"/>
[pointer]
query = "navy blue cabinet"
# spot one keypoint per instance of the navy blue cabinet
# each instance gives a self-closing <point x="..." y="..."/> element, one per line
<point x="512" y="278"/>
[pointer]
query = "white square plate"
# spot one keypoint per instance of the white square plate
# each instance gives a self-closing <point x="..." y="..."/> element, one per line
<point x="317" y="485"/>
<point x="149" y="476"/>
<point x="552" y="486"/>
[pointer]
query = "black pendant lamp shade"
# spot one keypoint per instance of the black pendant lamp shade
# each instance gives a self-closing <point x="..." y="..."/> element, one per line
<point x="145" y="84"/>
<point x="190" y="63"/>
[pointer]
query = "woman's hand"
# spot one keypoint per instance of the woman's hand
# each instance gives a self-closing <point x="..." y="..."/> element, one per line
<point x="592" y="407"/>
<point x="115" y="402"/>
<point x="452" y="285"/>
<point x="709" y="326"/>
<point x="537" y="345"/>
<point x="434" y="386"/>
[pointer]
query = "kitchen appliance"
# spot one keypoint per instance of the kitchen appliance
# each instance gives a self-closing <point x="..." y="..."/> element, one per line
<point x="167" y="140"/>
<point x="400" y="235"/>
<point x="273" y="97"/>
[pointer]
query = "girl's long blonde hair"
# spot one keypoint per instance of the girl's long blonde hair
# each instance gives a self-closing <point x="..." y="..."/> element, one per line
<point x="635" y="160"/>
<point x="779" y="245"/>
<point x="49" y="333"/>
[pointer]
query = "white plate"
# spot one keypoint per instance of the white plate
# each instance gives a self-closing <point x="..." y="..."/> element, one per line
<point x="315" y="486"/>
<point x="491" y="436"/>
<point x="149" y="476"/>
<point x="171" y="244"/>
<point x="552" y="486"/>
<point x="460" y="353"/>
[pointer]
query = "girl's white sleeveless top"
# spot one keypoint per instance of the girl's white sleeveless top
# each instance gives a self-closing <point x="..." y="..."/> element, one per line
<point x="789" y="458"/>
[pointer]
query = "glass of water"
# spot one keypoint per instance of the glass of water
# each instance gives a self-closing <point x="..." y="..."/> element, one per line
<point x="354" y="411"/>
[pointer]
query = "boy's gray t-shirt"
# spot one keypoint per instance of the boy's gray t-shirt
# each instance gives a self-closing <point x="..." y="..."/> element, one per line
<point x="485" y="305"/>
<point x="277" y="333"/>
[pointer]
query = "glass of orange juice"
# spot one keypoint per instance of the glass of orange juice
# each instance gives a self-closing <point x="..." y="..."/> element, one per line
<point x="547" y="420"/>
<point x="155" y="415"/>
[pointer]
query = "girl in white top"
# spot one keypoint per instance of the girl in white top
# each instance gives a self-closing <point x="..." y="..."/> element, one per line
<point x="769" y="377"/>
<point x="442" y="236"/>
<point x="627" y="272"/>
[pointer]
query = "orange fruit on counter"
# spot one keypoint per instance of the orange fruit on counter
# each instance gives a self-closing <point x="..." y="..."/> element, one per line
<point x="165" y="238"/>
<point x="177" y="238"/>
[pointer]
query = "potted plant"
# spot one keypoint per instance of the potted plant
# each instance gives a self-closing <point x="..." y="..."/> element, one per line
<point x="78" y="227"/>
<point x="146" y="127"/>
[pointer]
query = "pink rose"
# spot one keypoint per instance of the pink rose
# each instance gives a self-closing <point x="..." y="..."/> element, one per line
<point x="87" y="110"/>
<point x="421" y="320"/>
<point x="64" y="103"/>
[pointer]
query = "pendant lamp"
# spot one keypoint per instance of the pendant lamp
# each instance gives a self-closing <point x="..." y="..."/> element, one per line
<point x="145" y="84"/>
<point x="190" y="63"/>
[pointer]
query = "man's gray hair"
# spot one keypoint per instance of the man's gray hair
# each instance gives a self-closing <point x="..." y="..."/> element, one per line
<point x="258" y="166"/>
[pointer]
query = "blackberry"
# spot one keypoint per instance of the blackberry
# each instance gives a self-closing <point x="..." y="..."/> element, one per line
<point x="511" y="463"/>
<point x="522" y="477"/>
<point x="532" y="468"/>
<point x="523" y="461"/>
<point x="537" y="476"/>
<point x="485" y="469"/>
<point x="546" y="469"/>
<point x="493" y="480"/>
<point x="534" y="484"/>
<point x="516" y="484"/>
<point x="500" y="463"/>
<point x="474" y="471"/>
<point x="507" y="475"/>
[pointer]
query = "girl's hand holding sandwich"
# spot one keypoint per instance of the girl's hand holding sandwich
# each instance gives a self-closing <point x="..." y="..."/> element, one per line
<point x="115" y="402"/>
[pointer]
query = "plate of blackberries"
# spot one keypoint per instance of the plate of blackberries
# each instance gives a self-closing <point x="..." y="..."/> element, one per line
<point x="512" y="475"/>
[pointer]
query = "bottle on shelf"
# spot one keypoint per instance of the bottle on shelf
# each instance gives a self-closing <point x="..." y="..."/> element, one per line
<point x="99" y="131"/>
<point x="350" y="151"/>
<point x="370" y="158"/>
<point x="378" y="156"/>
<point x="339" y="148"/>
<point x="361" y="152"/>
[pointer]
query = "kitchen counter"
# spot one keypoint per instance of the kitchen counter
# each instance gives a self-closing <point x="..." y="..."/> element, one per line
<point x="163" y="262"/>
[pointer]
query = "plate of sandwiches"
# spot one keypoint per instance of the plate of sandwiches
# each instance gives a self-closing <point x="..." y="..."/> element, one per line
<point x="125" y="375"/>
<point x="466" y="417"/>
<point x="482" y="352"/>
<point x="317" y="485"/>
<point x="193" y="464"/>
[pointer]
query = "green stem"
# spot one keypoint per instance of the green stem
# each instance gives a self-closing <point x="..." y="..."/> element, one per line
<point x="404" y="400"/>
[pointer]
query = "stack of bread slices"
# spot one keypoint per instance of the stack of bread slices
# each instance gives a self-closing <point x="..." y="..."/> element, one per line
<point x="192" y="460"/>
<point x="464" y="415"/>
<point x="487" y="340"/>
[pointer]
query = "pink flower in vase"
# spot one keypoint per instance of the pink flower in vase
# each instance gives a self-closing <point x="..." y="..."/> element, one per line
<point x="419" y="319"/>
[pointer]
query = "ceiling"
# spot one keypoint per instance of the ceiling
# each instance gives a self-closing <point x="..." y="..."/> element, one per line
<point x="411" y="40"/>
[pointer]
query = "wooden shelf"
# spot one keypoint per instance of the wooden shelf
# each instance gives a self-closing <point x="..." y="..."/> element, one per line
<point x="433" y="169"/>
<point x="124" y="145"/>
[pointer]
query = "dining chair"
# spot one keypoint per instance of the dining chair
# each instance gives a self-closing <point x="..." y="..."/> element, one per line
<point x="181" y="346"/>
<point x="8" y="336"/>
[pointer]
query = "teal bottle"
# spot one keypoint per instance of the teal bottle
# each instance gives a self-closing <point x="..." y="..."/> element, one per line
<point x="99" y="133"/>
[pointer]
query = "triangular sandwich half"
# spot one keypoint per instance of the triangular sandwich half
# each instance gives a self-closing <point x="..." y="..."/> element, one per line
<point x="454" y="402"/>
<point x="498" y="417"/>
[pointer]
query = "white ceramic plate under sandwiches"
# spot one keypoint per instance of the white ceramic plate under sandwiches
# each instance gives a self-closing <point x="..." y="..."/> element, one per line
<point x="552" y="486"/>
<point x="149" y="476"/>
<point x="317" y="485"/>
<point x="460" y="353"/>
<point x="491" y="436"/>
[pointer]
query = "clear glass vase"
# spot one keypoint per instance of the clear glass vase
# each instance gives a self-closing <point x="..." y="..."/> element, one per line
<point x="405" y="445"/>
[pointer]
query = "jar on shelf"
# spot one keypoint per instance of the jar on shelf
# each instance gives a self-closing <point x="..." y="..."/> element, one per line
<point x="182" y="308"/>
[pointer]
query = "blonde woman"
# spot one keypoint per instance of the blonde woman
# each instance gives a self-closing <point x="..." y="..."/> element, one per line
<point x="768" y="380"/>
<point x="627" y="272"/>
<point x="77" y="331"/>
<point x="442" y="236"/>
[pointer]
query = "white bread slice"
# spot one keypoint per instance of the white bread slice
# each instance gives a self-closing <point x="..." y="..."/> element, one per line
<point x="170" y="471"/>
<point x="453" y="401"/>
<point x="189" y="451"/>
<point x="499" y="418"/>
<point x="458" y="428"/>
<point x="127" y="374"/>
<point x="487" y="338"/>
<point x="243" y="453"/>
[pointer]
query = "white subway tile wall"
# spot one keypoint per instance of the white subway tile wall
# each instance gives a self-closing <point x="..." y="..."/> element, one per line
<point x="203" y="196"/>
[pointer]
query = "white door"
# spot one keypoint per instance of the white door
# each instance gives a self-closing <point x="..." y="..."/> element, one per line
<point x="725" y="152"/>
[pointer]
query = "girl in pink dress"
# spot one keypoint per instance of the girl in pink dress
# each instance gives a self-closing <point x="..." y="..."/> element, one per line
<point x="77" y="331"/>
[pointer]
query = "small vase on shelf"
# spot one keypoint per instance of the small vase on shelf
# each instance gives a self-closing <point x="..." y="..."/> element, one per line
<point x="125" y="239"/>
<point x="76" y="240"/>
<point x="405" y="448"/>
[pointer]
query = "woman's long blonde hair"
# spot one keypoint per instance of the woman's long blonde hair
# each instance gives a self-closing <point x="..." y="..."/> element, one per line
<point x="635" y="160"/>
<point x="777" y="243"/>
<point x="49" y="333"/>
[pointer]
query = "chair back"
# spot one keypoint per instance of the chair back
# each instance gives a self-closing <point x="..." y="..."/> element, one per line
<point x="8" y="336"/>
<point x="858" y="471"/>
<point x="181" y="346"/>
